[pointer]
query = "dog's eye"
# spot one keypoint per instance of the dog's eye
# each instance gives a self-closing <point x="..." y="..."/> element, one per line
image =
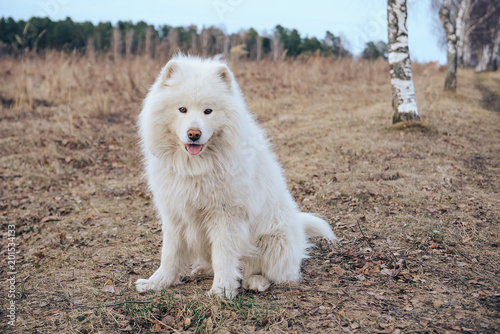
<point x="183" y="110"/>
<point x="208" y="111"/>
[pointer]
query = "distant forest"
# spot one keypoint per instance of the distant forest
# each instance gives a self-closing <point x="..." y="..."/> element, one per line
<point x="127" y="38"/>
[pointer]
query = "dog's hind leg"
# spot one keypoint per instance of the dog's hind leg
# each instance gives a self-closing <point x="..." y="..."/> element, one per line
<point x="282" y="254"/>
<point x="252" y="277"/>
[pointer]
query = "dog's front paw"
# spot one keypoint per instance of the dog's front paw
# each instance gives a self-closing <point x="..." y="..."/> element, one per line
<point x="256" y="283"/>
<point x="223" y="292"/>
<point x="159" y="280"/>
<point x="226" y="289"/>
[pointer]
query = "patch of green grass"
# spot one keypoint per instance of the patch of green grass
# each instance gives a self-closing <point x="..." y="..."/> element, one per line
<point x="194" y="313"/>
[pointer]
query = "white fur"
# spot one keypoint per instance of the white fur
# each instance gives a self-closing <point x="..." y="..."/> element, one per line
<point x="226" y="210"/>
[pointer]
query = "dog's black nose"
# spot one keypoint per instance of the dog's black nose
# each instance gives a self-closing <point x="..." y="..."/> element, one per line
<point x="194" y="135"/>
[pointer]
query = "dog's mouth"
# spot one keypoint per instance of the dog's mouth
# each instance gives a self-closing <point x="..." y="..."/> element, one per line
<point x="194" y="149"/>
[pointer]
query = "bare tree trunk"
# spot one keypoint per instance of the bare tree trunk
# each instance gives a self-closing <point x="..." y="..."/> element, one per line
<point x="461" y="21"/>
<point x="219" y="44"/>
<point x="403" y="93"/>
<point x="117" y="43"/>
<point x="489" y="56"/>
<point x="194" y="47"/>
<point x="173" y="42"/>
<point x="204" y="43"/>
<point x="90" y="49"/>
<point x="450" y="83"/>
<point x="225" y="46"/>
<point x="129" y="40"/>
<point x="484" y="59"/>
<point x="163" y="50"/>
<point x="259" y="48"/>
<point x="148" y="42"/>
<point x="496" y="48"/>
<point x="277" y="47"/>
<point x="156" y="42"/>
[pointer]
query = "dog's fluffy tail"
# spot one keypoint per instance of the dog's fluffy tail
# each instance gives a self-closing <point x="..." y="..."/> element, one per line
<point x="316" y="227"/>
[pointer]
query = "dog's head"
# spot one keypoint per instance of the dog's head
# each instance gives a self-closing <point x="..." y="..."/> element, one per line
<point x="192" y="107"/>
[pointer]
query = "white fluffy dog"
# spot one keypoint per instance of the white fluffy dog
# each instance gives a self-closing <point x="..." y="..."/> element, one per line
<point x="218" y="188"/>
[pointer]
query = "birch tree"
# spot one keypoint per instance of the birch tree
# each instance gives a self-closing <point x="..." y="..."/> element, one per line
<point x="489" y="57"/>
<point x="403" y="93"/>
<point x="450" y="82"/>
<point x="461" y="31"/>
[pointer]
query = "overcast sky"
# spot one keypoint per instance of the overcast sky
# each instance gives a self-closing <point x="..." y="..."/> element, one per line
<point x="358" y="21"/>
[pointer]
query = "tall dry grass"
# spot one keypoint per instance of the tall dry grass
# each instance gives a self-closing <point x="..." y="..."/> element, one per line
<point x="82" y="83"/>
<point x="80" y="88"/>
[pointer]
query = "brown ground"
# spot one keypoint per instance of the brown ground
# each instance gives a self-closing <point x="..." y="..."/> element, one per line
<point x="417" y="206"/>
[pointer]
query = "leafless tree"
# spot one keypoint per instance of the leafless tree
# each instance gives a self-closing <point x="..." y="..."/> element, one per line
<point x="477" y="31"/>
<point x="117" y="43"/>
<point x="450" y="82"/>
<point x="277" y="47"/>
<point x="259" y="48"/>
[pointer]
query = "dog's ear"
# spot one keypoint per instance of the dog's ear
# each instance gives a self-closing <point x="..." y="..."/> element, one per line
<point x="168" y="71"/>
<point x="225" y="75"/>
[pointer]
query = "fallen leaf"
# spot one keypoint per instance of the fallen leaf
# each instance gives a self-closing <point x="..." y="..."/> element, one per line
<point x="438" y="303"/>
<point x="424" y="323"/>
<point x="168" y="320"/>
<point x="338" y="271"/>
<point x="155" y="328"/>
<point x="354" y="325"/>
<point x="387" y="272"/>
<point x="109" y="288"/>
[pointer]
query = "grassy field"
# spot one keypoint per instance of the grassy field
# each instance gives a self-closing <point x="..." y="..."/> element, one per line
<point x="416" y="206"/>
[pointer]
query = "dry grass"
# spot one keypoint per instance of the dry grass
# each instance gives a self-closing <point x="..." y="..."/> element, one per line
<point x="416" y="206"/>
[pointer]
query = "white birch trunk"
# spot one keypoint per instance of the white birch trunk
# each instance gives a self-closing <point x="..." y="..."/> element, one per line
<point x="464" y="6"/>
<point x="403" y="93"/>
<point x="496" y="48"/>
<point x="489" y="56"/>
<point x="484" y="60"/>
<point x="450" y="82"/>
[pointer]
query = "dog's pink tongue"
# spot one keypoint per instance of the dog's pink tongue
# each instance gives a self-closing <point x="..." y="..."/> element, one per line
<point x="194" y="149"/>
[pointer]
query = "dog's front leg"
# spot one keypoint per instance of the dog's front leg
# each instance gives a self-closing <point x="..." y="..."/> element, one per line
<point x="229" y="244"/>
<point x="171" y="266"/>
